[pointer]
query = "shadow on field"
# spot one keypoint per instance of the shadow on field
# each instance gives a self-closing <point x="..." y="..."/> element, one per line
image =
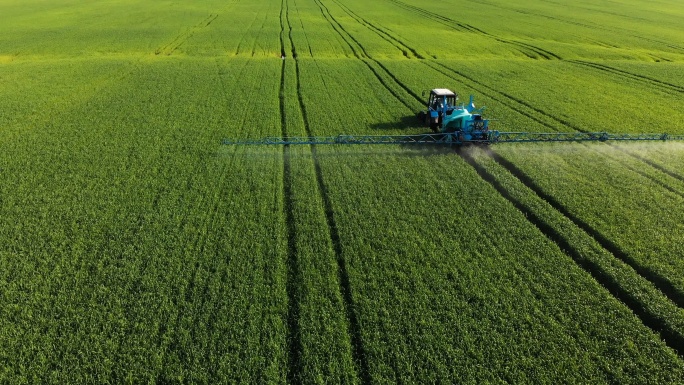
<point x="426" y="150"/>
<point x="405" y="122"/>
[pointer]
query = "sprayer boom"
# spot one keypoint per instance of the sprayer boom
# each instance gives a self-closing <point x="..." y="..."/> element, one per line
<point x="457" y="138"/>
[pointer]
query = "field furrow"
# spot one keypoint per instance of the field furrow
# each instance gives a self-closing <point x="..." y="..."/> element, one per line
<point x="527" y="49"/>
<point x="645" y="168"/>
<point x="386" y="79"/>
<point x="139" y="243"/>
<point x="654" y="309"/>
<point x="666" y="158"/>
<point x="637" y="200"/>
<point x="428" y="265"/>
<point x="138" y="246"/>
<point x="324" y="323"/>
<point x="633" y="76"/>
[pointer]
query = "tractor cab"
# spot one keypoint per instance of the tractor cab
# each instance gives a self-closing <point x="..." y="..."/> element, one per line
<point x="444" y="115"/>
<point x="441" y="103"/>
<point x="441" y="98"/>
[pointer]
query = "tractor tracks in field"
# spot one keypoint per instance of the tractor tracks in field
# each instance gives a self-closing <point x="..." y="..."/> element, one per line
<point x="665" y="86"/>
<point x="294" y="272"/>
<point x="658" y="169"/>
<point x="181" y="38"/>
<point x="610" y="280"/>
<point x="510" y="101"/>
<point x="529" y="50"/>
<point x="301" y="24"/>
<point x="625" y="32"/>
<point x="653" y="164"/>
<point x="359" y="355"/>
<point x="377" y="68"/>
<point x="655" y="180"/>
<point x="662" y="284"/>
<point x="616" y="286"/>
<point x="388" y="37"/>
<point x="507" y="99"/>
<point x="293" y="280"/>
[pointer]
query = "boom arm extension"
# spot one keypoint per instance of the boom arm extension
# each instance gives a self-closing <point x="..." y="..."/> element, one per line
<point x="455" y="138"/>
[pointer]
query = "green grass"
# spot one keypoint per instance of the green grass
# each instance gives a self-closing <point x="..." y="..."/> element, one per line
<point x="134" y="247"/>
<point x="613" y="195"/>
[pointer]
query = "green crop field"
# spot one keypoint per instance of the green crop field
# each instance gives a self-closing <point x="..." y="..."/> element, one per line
<point x="135" y="247"/>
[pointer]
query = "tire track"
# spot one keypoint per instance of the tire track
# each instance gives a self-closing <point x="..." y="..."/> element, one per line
<point x="301" y="23"/>
<point x="508" y="100"/>
<point x="282" y="54"/>
<point x="670" y="87"/>
<point x="651" y="163"/>
<point x="361" y="54"/>
<point x="405" y="49"/>
<point x="589" y="26"/>
<point x="358" y="351"/>
<point x="634" y="169"/>
<point x="181" y="38"/>
<point x="242" y="38"/>
<point x="293" y="280"/>
<point x="328" y="17"/>
<point x="672" y="338"/>
<point x="503" y="98"/>
<point x="666" y="287"/>
<point x="655" y="180"/>
<point x="524" y="48"/>
<point x="346" y="36"/>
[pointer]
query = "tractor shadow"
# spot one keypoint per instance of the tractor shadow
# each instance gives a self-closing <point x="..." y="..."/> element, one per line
<point x="411" y="125"/>
<point x="404" y="123"/>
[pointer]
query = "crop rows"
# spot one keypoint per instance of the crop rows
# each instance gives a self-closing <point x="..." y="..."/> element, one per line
<point x="625" y="196"/>
<point x="580" y="242"/>
<point x="136" y="248"/>
<point x="117" y="243"/>
<point x="410" y="278"/>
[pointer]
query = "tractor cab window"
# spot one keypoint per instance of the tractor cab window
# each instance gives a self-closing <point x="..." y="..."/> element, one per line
<point x="436" y="102"/>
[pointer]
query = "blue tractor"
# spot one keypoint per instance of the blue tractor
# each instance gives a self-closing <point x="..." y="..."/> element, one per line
<point x="444" y="116"/>
<point x="455" y="125"/>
